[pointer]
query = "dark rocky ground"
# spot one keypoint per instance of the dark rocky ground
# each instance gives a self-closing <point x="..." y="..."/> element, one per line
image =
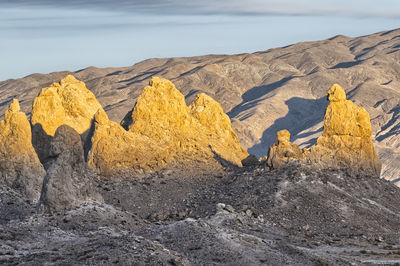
<point x="248" y="216"/>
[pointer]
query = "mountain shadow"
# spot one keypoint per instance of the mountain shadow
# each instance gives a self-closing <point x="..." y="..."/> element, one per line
<point x="302" y="114"/>
<point x="253" y="96"/>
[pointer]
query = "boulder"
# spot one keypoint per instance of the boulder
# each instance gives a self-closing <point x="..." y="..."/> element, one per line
<point x="69" y="181"/>
<point x="345" y="141"/>
<point x="20" y="167"/>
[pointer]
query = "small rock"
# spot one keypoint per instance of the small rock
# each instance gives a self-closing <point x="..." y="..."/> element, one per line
<point x="220" y="207"/>
<point x="229" y="208"/>
<point x="249" y="213"/>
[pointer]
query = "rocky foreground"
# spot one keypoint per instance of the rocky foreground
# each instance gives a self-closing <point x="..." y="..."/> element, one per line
<point x="249" y="216"/>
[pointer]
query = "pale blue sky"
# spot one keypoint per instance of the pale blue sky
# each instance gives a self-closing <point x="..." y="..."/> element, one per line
<point x="46" y="35"/>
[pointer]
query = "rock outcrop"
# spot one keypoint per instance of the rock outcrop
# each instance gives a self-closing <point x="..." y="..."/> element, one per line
<point x="345" y="141"/>
<point x="20" y="167"/>
<point x="283" y="151"/>
<point x="69" y="180"/>
<point x="198" y="130"/>
<point x="115" y="151"/>
<point x="162" y="129"/>
<point x="66" y="103"/>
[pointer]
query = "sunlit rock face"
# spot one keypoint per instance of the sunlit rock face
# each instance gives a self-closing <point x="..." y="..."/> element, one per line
<point x="66" y="103"/>
<point x="345" y="141"/>
<point x="162" y="129"/>
<point x="217" y="128"/>
<point x="115" y="151"/>
<point x="283" y="151"/>
<point x="20" y="167"/>
<point x="200" y="130"/>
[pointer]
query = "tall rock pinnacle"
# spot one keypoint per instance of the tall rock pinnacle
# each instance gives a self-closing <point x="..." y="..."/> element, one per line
<point x="20" y="167"/>
<point x="345" y="141"/>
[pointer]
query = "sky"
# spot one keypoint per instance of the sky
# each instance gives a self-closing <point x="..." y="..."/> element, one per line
<point x="43" y="36"/>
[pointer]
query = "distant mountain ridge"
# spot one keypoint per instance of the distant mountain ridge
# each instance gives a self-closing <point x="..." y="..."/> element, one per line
<point x="263" y="92"/>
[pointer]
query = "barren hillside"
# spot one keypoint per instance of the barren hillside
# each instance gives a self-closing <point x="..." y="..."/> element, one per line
<point x="263" y="92"/>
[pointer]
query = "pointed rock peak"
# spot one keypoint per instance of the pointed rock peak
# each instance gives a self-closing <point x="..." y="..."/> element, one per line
<point x="68" y="102"/>
<point x="21" y="169"/>
<point x="160" y="109"/>
<point x="100" y="117"/>
<point x="12" y="109"/>
<point x="160" y="83"/>
<point x="336" y="93"/>
<point x="283" y="136"/>
<point x="345" y="142"/>
<point x="69" y="79"/>
<point x="14" y="106"/>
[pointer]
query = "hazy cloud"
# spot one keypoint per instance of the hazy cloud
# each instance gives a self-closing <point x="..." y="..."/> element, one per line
<point x="382" y="8"/>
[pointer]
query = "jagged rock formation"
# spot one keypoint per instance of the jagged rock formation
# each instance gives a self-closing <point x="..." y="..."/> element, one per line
<point x="66" y="103"/>
<point x="115" y="151"/>
<point x="162" y="129"/>
<point x="199" y="130"/>
<point x="345" y="142"/>
<point x="20" y="167"/>
<point x="69" y="180"/>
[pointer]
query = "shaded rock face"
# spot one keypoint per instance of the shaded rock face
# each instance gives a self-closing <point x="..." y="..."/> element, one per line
<point x="20" y="167"/>
<point x="66" y="103"/>
<point x="345" y="141"/>
<point x="186" y="131"/>
<point x="69" y="180"/>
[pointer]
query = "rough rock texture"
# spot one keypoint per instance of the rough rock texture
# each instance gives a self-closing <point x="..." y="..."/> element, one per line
<point x="66" y="103"/>
<point x="198" y="131"/>
<point x="345" y="141"/>
<point x="283" y="151"/>
<point x="115" y="151"/>
<point x="69" y="180"/>
<point x="250" y="216"/>
<point x="20" y="167"/>
<point x="162" y="129"/>
<point x="217" y="128"/>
